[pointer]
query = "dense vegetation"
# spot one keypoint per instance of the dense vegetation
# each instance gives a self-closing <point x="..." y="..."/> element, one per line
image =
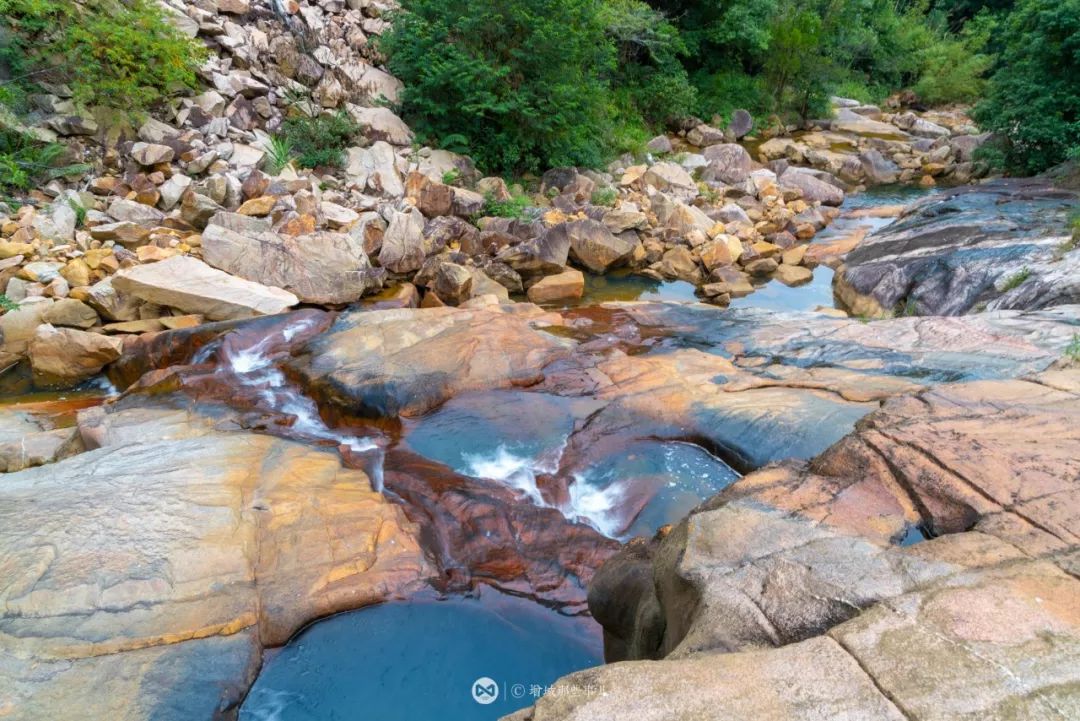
<point x="1033" y="103"/>
<point x="117" y="54"/>
<point x="523" y="84"/>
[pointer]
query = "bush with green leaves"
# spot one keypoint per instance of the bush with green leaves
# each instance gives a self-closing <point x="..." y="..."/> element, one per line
<point x="320" y="141"/>
<point x="522" y="82"/>
<point x="121" y="54"/>
<point x="518" y="206"/>
<point x="1033" y="99"/>
<point x="26" y="162"/>
<point x="279" y="153"/>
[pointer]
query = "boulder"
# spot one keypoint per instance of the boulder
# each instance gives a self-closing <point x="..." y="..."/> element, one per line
<point x="70" y="313"/>
<point x="728" y="163"/>
<point x="544" y="254"/>
<point x="194" y="287"/>
<point x="704" y="136"/>
<point x="660" y="145"/>
<point x="110" y="303"/>
<point x="129" y="211"/>
<point x="878" y="169"/>
<point x="793" y="275"/>
<point x="742" y="122"/>
<point x="565" y="286"/>
<point x="403" y="249"/>
<point x="671" y="177"/>
<point x="149" y="154"/>
<point x="595" y="247"/>
<point x="178" y="553"/>
<point x="381" y="124"/>
<point x="318" y="268"/>
<point x="405" y="362"/>
<point x="848" y="121"/>
<point x="453" y="283"/>
<point x="28" y="439"/>
<point x="376" y="169"/>
<point x="813" y="189"/>
<point x="64" y="357"/>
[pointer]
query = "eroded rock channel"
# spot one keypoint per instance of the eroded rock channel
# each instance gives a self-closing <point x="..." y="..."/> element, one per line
<point x="770" y="511"/>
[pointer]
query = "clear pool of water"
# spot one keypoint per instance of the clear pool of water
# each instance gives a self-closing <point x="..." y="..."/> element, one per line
<point x="420" y="660"/>
<point x="646" y="485"/>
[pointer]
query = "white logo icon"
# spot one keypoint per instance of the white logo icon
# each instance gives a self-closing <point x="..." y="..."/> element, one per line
<point x="485" y="690"/>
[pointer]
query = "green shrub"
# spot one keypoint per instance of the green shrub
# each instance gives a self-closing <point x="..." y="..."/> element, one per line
<point x="604" y="196"/>
<point x="1072" y="351"/>
<point x="523" y="82"/>
<point x="721" y="93"/>
<point x="1033" y="100"/>
<point x="279" y="154"/>
<point x="1016" y="279"/>
<point x="320" y="141"/>
<point x="122" y="55"/>
<point x="451" y="177"/>
<point x="954" y="65"/>
<point x="517" y="206"/>
<point x="7" y="304"/>
<point x="26" y="162"/>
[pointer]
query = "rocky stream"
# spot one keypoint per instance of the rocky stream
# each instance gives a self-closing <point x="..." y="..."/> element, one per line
<point x="858" y="492"/>
<point x="787" y="427"/>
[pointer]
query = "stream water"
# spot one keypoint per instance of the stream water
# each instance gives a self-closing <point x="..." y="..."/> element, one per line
<point x="421" y="659"/>
<point x="430" y="657"/>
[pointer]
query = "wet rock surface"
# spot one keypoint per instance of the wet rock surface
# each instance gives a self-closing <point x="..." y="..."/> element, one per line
<point x="194" y="546"/>
<point x="998" y="245"/>
<point x="406" y="362"/>
<point x="813" y="559"/>
<point x="220" y="411"/>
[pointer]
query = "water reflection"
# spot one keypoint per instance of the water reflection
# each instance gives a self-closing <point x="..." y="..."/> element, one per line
<point x="418" y="660"/>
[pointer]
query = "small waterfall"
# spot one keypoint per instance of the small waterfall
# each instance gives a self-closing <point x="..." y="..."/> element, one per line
<point x="255" y="366"/>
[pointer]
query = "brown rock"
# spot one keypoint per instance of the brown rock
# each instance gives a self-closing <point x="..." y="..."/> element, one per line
<point x="793" y="275"/>
<point x="70" y="313"/>
<point x="64" y="356"/>
<point x="258" y="207"/>
<point x="568" y="285"/>
<point x="239" y="539"/>
<point x="194" y="287"/>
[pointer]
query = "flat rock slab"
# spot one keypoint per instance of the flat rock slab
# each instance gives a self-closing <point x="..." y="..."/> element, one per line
<point x="813" y="680"/>
<point x="141" y="580"/>
<point x="973" y="624"/>
<point x="997" y="245"/>
<point x="194" y="287"/>
<point x="407" y="361"/>
<point x="1000" y="344"/>
<point x="319" y="268"/>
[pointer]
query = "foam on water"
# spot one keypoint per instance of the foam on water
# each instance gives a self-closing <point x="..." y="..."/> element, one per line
<point x="597" y="507"/>
<point x="517" y="471"/>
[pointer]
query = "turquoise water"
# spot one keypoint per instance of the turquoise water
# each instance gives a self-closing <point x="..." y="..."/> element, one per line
<point x="418" y="661"/>
<point x="776" y="296"/>
<point x="646" y="485"/>
<point x="515" y="437"/>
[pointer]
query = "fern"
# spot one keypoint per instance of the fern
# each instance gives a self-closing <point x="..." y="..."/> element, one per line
<point x="279" y="153"/>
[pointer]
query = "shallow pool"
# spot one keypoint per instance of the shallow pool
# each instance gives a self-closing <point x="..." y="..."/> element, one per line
<point x="421" y="660"/>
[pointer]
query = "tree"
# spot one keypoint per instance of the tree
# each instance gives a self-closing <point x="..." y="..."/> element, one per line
<point x="1033" y="105"/>
<point x="520" y="84"/>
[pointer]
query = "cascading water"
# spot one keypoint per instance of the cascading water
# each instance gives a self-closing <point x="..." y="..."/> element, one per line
<point x="255" y="366"/>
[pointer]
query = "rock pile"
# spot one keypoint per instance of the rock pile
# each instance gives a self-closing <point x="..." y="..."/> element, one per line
<point x="193" y="193"/>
